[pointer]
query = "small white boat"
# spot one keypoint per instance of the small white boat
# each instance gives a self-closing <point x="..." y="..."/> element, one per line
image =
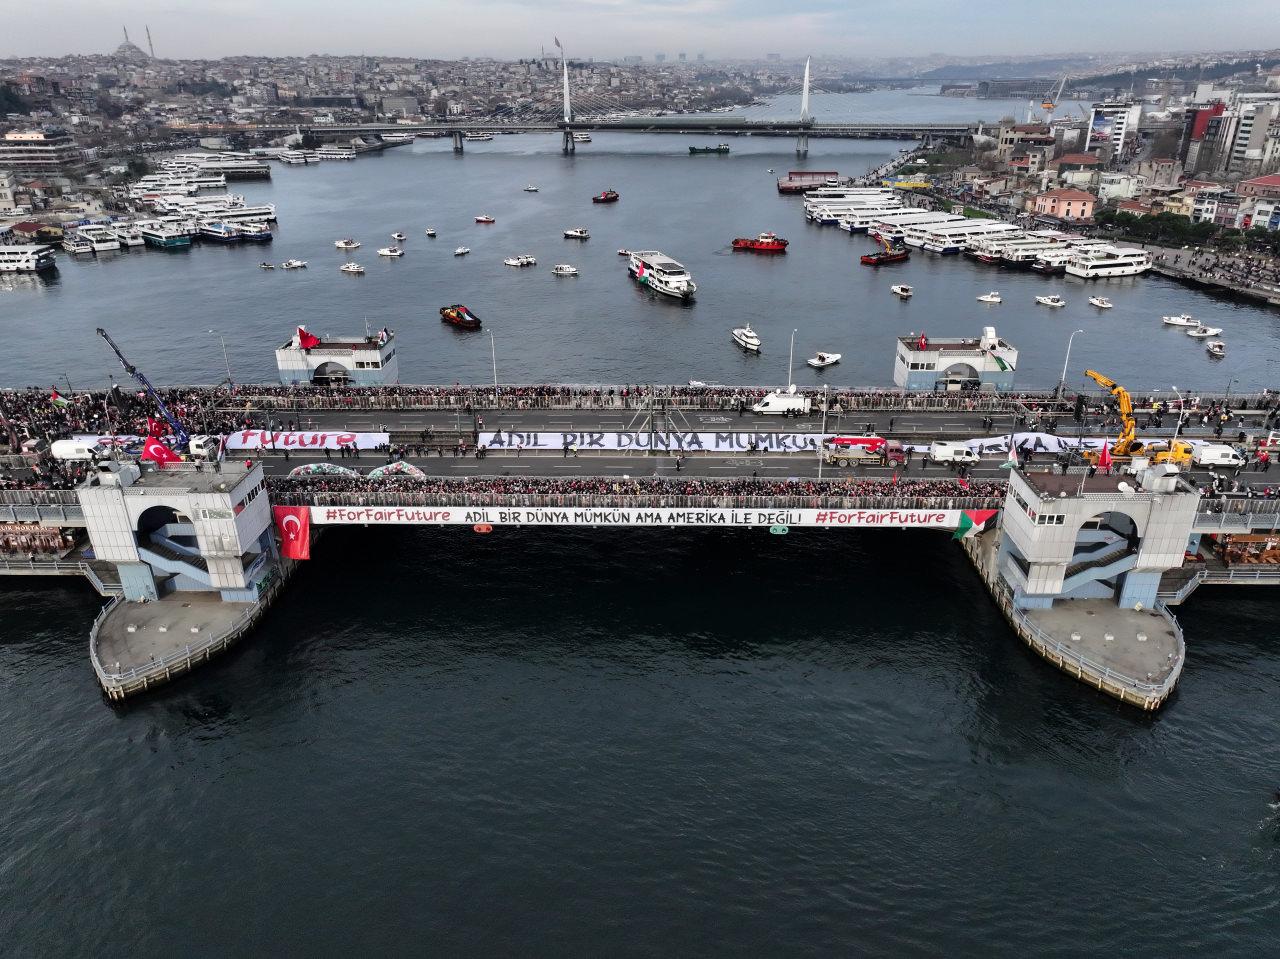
<point x="747" y="338"/>
<point x="485" y="218"/>
<point x="992" y="297"/>
<point x="354" y="268"/>
<point x="347" y="244"/>
<point x="1101" y="302"/>
<point x="431" y="233"/>
<point x="398" y="236"/>
<point x="391" y="251"/>
<point x="820" y="361"/>
<point x="462" y="251"/>
<point x="1216" y="348"/>
<point x="577" y="233"/>
<point x="530" y="189"/>
<point x="1051" y="300"/>
<point x="902" y="290"/>
<point x="1183" y="319"/>
<point x="564" y="269"/>
<point x="1204" y="332"/>
<point x="523" y="259"/>
<point x="266" y="266"/>
<point x="624" y="253"/>
<point x="294" y="264"/>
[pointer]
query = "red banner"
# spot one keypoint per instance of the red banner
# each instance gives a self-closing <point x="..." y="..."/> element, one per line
<point x="294" y="525"/>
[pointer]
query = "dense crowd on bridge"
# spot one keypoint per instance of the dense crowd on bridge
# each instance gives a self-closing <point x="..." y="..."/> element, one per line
<point x="418" y="490"/>
<point x="1245" y="270"/>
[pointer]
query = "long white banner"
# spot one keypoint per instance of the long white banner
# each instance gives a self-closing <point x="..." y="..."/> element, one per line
<point x="262" y="439"/>
<point x="577" y="516"/>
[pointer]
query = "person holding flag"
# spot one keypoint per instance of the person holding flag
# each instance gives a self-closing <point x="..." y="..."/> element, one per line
<point x="1011" y="460"/>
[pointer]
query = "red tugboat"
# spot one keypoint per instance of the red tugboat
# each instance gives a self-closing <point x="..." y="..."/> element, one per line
<point x="892" y="253"/>
<point x="607" y="196"/>
<point x="459" y="316"/>
<point x="764" y="243"/>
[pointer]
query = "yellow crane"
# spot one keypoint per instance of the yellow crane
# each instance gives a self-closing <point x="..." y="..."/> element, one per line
<point x="1126" y="443"/>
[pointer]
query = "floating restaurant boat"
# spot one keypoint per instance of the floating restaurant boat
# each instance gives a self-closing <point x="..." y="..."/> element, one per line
<point x="721" y="148"/>
<point x="992" y="297"/>
<point x="820" y="361"/>
<point x="605" y="196"/>
<point x="747" y="338"/>
<point x="1051" y="300"/>
<point x="347" y="244"/>
<point x="577" y="233"/>
<point x="761" y="243"/>
<point x="564" y="269"/>
<point x="902" y="290"/>
<point x="483" y="218"/>
<point x="353" y="268"/>
<point x="459" y="316"/>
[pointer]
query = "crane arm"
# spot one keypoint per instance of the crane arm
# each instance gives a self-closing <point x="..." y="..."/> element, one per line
<point x="183" y="439"/>
<point x="1128" y="434"/>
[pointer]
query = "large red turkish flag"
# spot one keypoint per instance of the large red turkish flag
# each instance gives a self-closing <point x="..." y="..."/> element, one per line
<point x="294" y="525"/>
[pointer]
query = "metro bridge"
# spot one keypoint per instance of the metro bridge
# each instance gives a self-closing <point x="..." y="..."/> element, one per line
<point x="569" y="122"/>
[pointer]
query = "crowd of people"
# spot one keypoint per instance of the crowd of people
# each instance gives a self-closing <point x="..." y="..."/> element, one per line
<point x="428" y="490"/>
<point x="1248" y="271"/>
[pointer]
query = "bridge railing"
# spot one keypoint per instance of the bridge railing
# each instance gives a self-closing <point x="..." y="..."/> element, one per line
<point x="634" y="501"/>
<point x="38" y="497"/>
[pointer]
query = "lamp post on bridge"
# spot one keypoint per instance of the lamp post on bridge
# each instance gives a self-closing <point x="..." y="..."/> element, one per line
<point x="493" y="355"/>
<point x="225" y="358"/>
<point x="1062" y="382"/>
<point x="826" y="402"/>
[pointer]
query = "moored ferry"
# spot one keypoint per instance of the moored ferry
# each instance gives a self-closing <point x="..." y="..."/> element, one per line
<point x="163" y="235"/>
<point x="1108" y="261"/>
<point x="219" y="232"/>
<point x="661" y="274"/>
<point x="26" y="259"/>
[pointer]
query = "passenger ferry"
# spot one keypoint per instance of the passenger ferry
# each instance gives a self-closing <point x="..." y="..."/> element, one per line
<point x="26" y="259"/>
<point x="582" y="138"/>
<point x="157" y="233"/>
<point x="75" y="244"/>
<point x="661" y="273"/>
<point x="336" y="153"/>
<point x="396" y="139"/>
<point x="477" y="136"/>
<point x="219" y="232"/>
<point x="128" y="234"/>
<point x="101" y="238"/>
<point x="255" y="232"/>
<point x="1109" y="261"/>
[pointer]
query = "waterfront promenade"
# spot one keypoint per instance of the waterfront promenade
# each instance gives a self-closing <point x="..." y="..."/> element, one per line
<point x="1254" y="275"/>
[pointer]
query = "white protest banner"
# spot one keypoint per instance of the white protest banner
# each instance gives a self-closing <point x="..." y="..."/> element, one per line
<point x="737" y="441"/>
<point x="641" y="516"/>
<point x="300" y="441"/>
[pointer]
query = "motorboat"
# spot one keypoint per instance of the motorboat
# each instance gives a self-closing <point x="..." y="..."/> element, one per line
<point x="462" y="251"/>
<point x="1204" y="332"/>
<point x="347" y="244"/>
<point x="577" y="233"/>
<point x="431" y="233"/>
<point x="992" y="297"/>
<point x="605" y="196"/>
<point x="622" y="252"/>
<point x="353" y="268"/>
<point x="398" y="236"/>
<point x="1182" y="319"/>
<point x="1101" y="302"/>
<point x="1216" y="348"/>
<point x="761" y="243"/>
<point x="390" y="251"/>
<point x="1051" y="300"/>
<point x="485" y="218"/>
<point x="294" y="264"/>
<point x="530" y="189"/>
<point x="523" y="259"/>
<point x="266" y="266"/>
<point x="564" y="269"/>
<point x="459" y="316"/>
<point x="747" y="338"/>
<point x="902" y="290"/>
<point x="820" y="361"/>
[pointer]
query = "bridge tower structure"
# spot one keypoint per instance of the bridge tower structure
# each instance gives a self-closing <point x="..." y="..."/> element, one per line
<point x="569" y="144"/>
<point x="806" y="118"/>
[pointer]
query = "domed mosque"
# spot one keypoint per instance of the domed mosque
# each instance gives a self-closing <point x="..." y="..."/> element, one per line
<point x="129" y="51"/>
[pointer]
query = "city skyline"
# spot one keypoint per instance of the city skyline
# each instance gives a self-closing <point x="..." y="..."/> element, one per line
<point x="730" y="29"/>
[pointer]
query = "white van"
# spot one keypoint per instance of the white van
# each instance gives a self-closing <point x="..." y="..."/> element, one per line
<point x="77" y="450"/>
<point x="951" y="451"/>
<point x="779" y="403"/>
<point x="205" y="447"/>
<point x="1216" y="454"/>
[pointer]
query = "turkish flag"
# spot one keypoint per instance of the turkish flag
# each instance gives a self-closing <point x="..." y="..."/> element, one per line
<point x="158" y="453"/>
<point x="154" y="428"/>
<point x="294" y="525"/>
<point x="307" y="340"/>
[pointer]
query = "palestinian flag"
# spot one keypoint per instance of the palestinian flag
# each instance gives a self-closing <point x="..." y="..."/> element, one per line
<point x="58" y="400"/>
<point x="1011" y="461"/>
<point x="972" y="522"/>
<point x="640" y="274"/>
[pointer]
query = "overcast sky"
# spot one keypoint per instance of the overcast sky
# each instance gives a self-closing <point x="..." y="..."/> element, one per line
<point x="449" y="29"/>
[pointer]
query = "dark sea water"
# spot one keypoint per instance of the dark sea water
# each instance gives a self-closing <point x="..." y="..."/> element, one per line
<point x="648" y="743"/>
<point x="611" y="743"/>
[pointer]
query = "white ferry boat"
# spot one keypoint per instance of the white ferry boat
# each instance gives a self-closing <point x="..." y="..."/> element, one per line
<point x="1108" y="261"/>
<point x="157" y="233"/>
<point x="219" y="232"/>
<point x="75" y="244"/>
<point x="26" y="259"/>
<point x="261" y="213"/>
<point x="293" y="157"/>
<point x="101" y="237"/>
<point x="747" y="338"/>
<point x="255" y="232"/>
<point x="477" y="136"/>
<point x="661" y="274"/>
<point x="128" y="234"/>
<point x="582" y="138"/>
<point x="398" y="138"/>
<point x="336" y="153"/>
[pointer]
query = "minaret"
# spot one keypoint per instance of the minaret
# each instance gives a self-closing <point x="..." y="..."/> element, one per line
<point x="150" y="46"/>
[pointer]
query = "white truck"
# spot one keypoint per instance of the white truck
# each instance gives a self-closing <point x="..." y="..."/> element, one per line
<point x="779" y="403"/>
<point x="951" y="451"/>
<point x="77" y="450"/>
<point x="1217" y="454"/>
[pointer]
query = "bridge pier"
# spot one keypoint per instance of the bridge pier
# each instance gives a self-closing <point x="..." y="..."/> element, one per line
<point x="802" y="145"/>
<point x="570" y="145"/>
<point x="457" y="141"/>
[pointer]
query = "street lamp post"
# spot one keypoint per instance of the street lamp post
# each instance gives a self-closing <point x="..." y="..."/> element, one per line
<point x="1227" y="399"/>
<point x="1182" y="408"/>
<point x="225" y="358"/>
<point x="493" y="355"/>
<point x="791" y="359"/>
<point x="1062" y="383"/>
<point x="826" y="393"/>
